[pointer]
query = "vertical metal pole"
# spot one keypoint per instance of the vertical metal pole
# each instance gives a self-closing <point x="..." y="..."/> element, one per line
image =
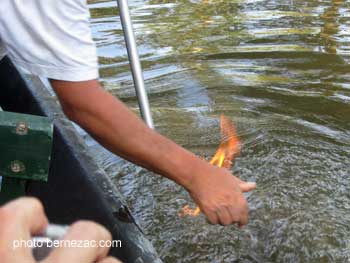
<point x="134" y="60"/>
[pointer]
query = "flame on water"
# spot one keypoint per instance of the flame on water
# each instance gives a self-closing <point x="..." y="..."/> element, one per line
<point x="188" y="211"/>
<point x="228" y="149"/>
<point x="229" y="146"/>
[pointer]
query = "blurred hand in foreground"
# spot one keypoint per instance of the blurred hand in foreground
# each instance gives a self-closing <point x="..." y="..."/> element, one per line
<point x="25" y="217"/>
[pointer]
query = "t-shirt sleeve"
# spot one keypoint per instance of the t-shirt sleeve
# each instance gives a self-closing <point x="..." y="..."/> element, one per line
<point x="49" y="38"/>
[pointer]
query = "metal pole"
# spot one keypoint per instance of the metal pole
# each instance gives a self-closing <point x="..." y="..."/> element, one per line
<point x="135" y="64"/>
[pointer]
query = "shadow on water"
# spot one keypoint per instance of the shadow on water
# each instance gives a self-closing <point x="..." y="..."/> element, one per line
<point x="280" y="71"/>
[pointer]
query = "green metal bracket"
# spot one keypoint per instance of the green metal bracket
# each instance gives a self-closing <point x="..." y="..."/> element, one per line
<point x="25" y="151"/>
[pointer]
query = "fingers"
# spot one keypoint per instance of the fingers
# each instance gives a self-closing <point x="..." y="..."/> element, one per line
<point x="239" y="212"/>
<point x="243" y="211"/>
<point x="83" y="231"/>
<point x="109" y="260"/>
<point x="28" y="213"/>
<point x="225" y="218"/>
<point x="20" y="219"/>
<point x="246" y="186"/>
<point x="24" y="217"/>
<point x="244" y="219"/>
<point x="221" y="197"/>
<point x="234" y="212"/>
<point x="212" y="216"/>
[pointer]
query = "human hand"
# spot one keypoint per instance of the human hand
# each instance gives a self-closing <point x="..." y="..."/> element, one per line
<point x="219" y="195"/>
<point x="25" y="217"/>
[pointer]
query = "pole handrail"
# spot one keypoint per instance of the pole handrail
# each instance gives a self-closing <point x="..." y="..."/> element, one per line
<point x="134" y="61"/>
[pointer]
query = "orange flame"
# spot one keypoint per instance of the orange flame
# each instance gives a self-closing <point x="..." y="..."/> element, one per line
<point x="228" y="149"/>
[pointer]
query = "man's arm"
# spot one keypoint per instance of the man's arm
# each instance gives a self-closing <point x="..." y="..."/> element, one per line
<point x="111" y="123"/>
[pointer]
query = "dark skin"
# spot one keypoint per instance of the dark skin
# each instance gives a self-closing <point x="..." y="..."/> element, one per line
<point x="216" y="191"/>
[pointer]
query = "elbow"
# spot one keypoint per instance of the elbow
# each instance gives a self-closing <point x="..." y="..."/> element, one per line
<point x="76" y="98"/>
<point x="70" y="111"/>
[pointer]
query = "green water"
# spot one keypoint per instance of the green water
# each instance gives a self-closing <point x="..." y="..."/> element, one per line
<point x="280" y="70"/>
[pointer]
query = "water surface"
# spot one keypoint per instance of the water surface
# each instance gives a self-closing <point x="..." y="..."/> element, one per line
<point x="280" y="70"/>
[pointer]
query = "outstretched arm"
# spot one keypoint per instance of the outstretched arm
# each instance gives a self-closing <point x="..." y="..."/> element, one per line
<point x="111" y="123"/>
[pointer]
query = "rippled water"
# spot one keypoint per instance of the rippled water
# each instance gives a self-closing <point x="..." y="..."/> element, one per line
<point x="280" y="70"/>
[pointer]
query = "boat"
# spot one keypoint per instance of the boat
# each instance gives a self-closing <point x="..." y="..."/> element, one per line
<point x="77" y="187"/>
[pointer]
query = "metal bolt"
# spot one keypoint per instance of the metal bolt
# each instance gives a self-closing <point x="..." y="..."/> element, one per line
<point x="22" y="128"/>
<point x="17" y="166"/>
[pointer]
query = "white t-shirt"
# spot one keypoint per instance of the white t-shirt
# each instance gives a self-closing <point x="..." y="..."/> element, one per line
<point x="49" y="38"/>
